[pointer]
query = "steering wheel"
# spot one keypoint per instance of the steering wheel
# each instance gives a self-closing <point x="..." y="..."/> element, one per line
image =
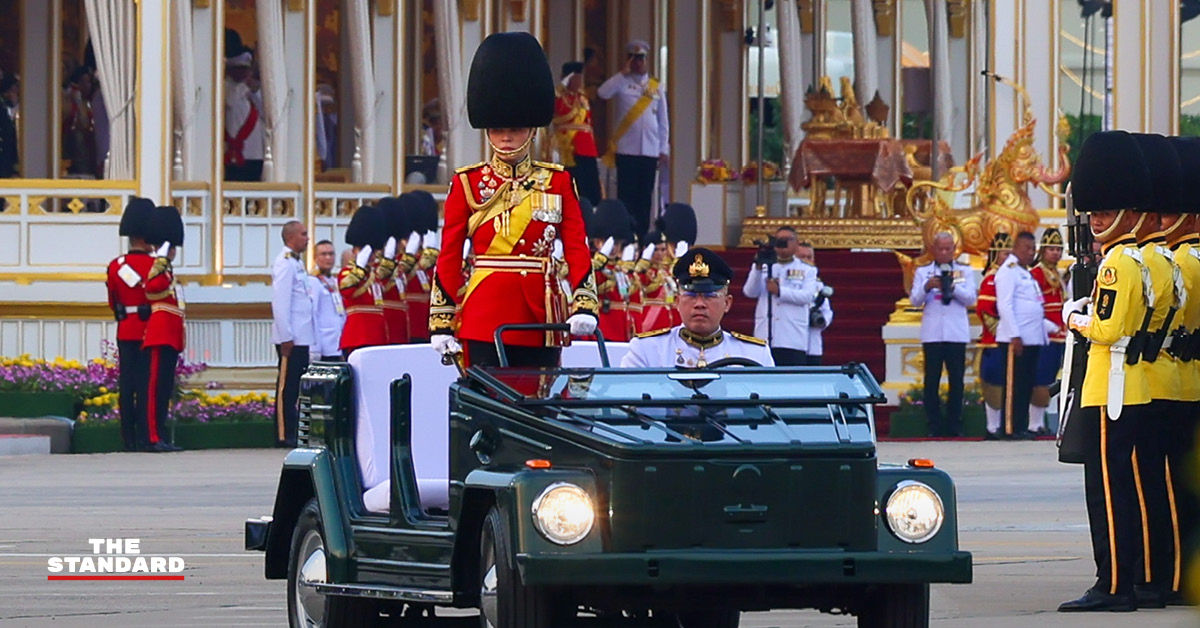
<point x="732" y="361"/>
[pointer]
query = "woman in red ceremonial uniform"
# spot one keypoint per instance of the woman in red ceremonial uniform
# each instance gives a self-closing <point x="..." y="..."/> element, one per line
<point x="165" y="334"/>
<point x="610" y="229"/>
<point x="361" y="294"/>
<point x="512" y="210"/>
<point x="653" y="272"/>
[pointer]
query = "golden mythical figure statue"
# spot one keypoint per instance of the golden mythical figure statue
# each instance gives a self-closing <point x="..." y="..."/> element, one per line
<point x="1001" y="192"/>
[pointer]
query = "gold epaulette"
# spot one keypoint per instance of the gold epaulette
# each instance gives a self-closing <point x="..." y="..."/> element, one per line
<point x="469" y="168"/>
<point x="549" y="166"/>
<point x="656" y="332"/>
<point x="750" y="339"/>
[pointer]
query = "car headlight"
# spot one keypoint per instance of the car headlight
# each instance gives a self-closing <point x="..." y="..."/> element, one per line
<point x="563" y="513"/>
<point x="914" y="512"/>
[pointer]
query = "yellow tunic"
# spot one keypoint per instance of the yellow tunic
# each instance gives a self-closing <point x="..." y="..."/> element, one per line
<point x="1164" y="372"/>
<point x="1118" y="307"/>
<point x="1189" y="266"/>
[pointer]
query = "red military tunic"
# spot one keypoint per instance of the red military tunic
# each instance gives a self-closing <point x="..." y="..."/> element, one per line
<point x="165" y="326"/>
<point x="363" y="298"/>
<point x="512" y="215"/>
<point x="614" y="310"/>
<point x="1053" y="293"/>
<point x="392" y="276"/>
<point x="633" y="298"/>
<point x="986" y="310"/>
<point x="658" y="297"/>
<point x="127" y="286"/>
<point x="573" y="126"/>
<point x="416" y="292"/>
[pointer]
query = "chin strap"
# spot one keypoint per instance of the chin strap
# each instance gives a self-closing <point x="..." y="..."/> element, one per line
<point x="516" y="151"/>
<point x="1105" y="235"/>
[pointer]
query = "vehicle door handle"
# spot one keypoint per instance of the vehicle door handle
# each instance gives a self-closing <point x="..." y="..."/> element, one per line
<point x="745" y="514"/>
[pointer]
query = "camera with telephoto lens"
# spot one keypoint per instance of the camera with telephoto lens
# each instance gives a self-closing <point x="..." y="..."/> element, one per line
<point x="816" y="318"/>
<point x="766" y="251"/>
<point x="947" y="279"/>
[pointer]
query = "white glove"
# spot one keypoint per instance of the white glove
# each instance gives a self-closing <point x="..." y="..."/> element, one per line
<point x="389" y="249"/>
<point x="629" y="253"/>
<point x="582" y="324"/>
<point x="606" y="250"/>
<point x="558" y="250"/>
<point x="681" y="247"/>
<point x="445" y="344"/>
<point x="414" y="243"/>
<point x="1078" y="306"/>
<point x="163" y="250"/>
<point x="648" y="252"/>
<point x="433" y="240"/>
<point x="364" y="256"/>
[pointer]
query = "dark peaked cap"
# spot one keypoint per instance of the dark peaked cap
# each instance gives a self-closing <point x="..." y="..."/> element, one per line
<point x="1110" y="174"/>
<point x="702" y="270"/>
<point x="1165" y="172"/>
<point x="510" y="85"/>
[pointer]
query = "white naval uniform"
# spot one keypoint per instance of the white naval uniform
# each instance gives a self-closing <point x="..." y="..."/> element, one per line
<point x="650" y="134"/>
<point x="666" y="348"/>
<point x="789" y="310"/>
<point x="329" y="315"/>
<point x="945" y="322"/>
<point x="291" y="302"/>
<point x="1020" y="304"/>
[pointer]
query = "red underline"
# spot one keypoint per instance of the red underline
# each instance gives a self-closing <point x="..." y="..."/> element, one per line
<point x="114" y="577"/>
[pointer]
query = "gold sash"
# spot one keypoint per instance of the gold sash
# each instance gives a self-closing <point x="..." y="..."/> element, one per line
<point x="635" y="112"/>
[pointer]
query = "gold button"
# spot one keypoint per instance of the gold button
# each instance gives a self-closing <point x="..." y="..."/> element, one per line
<point x="523" y="273"/>
<point x="521" y="241"/>
<point x="522" y="255"/>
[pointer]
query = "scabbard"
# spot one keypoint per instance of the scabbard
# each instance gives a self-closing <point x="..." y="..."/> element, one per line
<point x="1116" y="381"/>
<point x="1008" y="391"/>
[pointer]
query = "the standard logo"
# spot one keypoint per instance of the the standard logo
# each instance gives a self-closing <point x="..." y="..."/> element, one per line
<point x="115" y="559"/>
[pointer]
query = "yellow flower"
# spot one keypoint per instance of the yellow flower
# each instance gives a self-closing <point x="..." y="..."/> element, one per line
<point x="104" y="389"/>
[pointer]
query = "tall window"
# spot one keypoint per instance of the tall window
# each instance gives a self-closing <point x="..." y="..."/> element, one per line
<point x="1189" y="68"/>
<point x="1084" y="66"/>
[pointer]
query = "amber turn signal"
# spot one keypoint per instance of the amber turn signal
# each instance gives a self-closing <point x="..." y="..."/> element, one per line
<point x="538" y="463"/>
<point x="920" y="463"/>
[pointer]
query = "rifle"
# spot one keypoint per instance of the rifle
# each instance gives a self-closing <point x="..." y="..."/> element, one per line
<point x="1083" y="277"/>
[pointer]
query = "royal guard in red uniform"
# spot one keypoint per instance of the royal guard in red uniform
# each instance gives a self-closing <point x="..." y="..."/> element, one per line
<point x="126" y="283"/>
<point x="420" y="280"/>
<point x="1045" y="271"/>
<point x="361" y="294"/>
<point x="633" y="292"/>
<point x="992" y="360"/>
<point x="165" y="333"/>
<point x="391" y="271"/>
<point x="611" y="229"/>
<point x="653" y="272"/>
<point x="573" y="132"/>
<point x="512" y="210"/>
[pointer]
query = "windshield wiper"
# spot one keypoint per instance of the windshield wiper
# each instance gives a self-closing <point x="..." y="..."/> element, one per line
<point x="646" y="419"/>
<point x="597" y="425"/>
<point x="779" y="423"/>
<point x="713" y="421"/>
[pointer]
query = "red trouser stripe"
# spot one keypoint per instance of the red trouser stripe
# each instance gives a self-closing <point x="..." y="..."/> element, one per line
<point x="152" y="397"/>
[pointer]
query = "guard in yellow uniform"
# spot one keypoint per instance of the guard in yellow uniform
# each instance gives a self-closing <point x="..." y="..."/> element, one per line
<point x="1110" y="177"/>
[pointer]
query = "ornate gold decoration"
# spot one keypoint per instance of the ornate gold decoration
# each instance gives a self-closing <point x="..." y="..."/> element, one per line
<point x="10" y="204"/>
<point x="957" y="13"/>
<point x="698" y="267"/>
<point x="469" y="10"/>
<point x="877" y="110"/>
<point x="516" y="9"/>
<point x="805" y="9"/>
<point x="1002" y="201"/>
<point x="838" y="233"/>
<point x="200" y="4"/>
<point x="885" y="17"/>
<point x="841" y="120"/>
<point x="75" y="205"/>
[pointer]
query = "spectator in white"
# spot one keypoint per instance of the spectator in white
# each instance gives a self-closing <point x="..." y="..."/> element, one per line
<point x="329" y="314"/>
<point x="820" y="316"/>
<point x="789" y="285"/>
<point x="946" y="289"/>
<point x="243" y="124"/>
<point x="641" y="141"/>
<point x="293" y="331"/>
<point x="1022" y="330"/>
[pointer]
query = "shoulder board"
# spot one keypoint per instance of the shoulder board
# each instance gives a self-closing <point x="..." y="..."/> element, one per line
<point x="549" y="166"/>
<point x="1011" y="265"/>
<point x="750" y="339"/>
<point x="656" y="332"/>
<point x="1135" y="253"/>
<point x="468" y="168"/>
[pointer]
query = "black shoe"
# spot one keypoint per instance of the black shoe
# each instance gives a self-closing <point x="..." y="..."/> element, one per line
<point x="285" y="444"/>
<point x="1094" y="601"/>
<point x="1149" y="597"/>
<point x="1023" y="435"/>
<point x="1176" y="598"/>
<point x="163" y="447"/>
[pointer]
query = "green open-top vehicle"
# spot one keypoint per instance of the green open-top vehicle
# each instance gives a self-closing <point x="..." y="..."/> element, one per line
<point x="545" y="498"/>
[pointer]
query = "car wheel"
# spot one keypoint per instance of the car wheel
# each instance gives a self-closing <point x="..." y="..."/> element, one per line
<point x="504" y="601"/>
<point x="307" y="607"/>
<point x="897" y="606"/>
<point x="708" y="619"/>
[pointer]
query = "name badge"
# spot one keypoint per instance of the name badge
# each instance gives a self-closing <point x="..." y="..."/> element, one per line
<point x="546" y="207"/>
<point x="337" y="304"/>
<point x="377" y="292"/>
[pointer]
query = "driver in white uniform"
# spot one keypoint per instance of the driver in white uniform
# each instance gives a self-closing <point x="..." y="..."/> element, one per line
<point x="703" y="300"/>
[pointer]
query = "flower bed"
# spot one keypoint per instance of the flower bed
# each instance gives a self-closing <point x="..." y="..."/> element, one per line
<point x="909" y="421"/>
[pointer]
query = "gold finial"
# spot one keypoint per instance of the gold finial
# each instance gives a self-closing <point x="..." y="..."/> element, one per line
<point x="698" y="267"/>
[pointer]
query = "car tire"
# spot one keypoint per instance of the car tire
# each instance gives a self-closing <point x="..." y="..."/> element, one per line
<point x="505" y="601"/>
<point x="708" y="619"/>
<point x="306" y="562"/>
<point x="897" y="606"/>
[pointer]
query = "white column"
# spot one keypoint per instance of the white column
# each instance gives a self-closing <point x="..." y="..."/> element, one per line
<point x="939" y="60"/>
<point x="386" y="151"/>
<point x="39" y="91"/>
<point x="300" y="108"/>
<point x="1146" y="67"/>
<point x="729" y="91"/>
<point x="208" y="66"/>
<point x="862" y="18"/>
<point x="688" y="48"/>
<point x="792" y="77"/>
<point x="362" y="71"/>
<point x="152" y="150"/>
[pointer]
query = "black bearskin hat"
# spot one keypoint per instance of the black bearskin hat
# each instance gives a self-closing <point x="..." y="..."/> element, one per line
<point x="165" y="225"/>
<point x="427" y="211"/>
<point x="678" y="223"/>
<point x="572" y="67"/>
<point x="510" y="85"/>
<point x="399" y="214"/>
<point x="611" y="220"/>
<point x="367" y="228"/>
<point x="1188" y="151"/>
<point x="1110" y="174"/>
<point x="1165" y="172"/>
<point x="136" y="218"/>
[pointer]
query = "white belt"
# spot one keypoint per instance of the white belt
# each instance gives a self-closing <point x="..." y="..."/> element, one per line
<point x="1116" y="377"/>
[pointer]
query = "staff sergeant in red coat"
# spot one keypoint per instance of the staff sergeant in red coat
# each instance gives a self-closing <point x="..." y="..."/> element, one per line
<point x="361" y="293"/>
<point x="126" y="285"/>
<point x="512" y="210"/>
<point x="165" y="334"/>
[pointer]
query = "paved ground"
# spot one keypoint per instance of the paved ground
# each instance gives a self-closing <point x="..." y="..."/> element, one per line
<point x="1022" y="516"/>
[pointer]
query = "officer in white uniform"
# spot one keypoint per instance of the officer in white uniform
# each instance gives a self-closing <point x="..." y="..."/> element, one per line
<point x="703" y="300"/>
<point x="945" y="331"/>
<point x="243" y="117"/>
<point x="293" y="331"/>
<point x="641" y="140"/>
<point x="792" y="288"/>
<point x="1022" y="330"/>
<point x="329" y="314"/>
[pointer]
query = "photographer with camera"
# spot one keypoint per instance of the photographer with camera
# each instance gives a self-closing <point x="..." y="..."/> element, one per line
<point x="820" y="316"/>
<point x="786" y="289"/>
<point x="947" y="289"/>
